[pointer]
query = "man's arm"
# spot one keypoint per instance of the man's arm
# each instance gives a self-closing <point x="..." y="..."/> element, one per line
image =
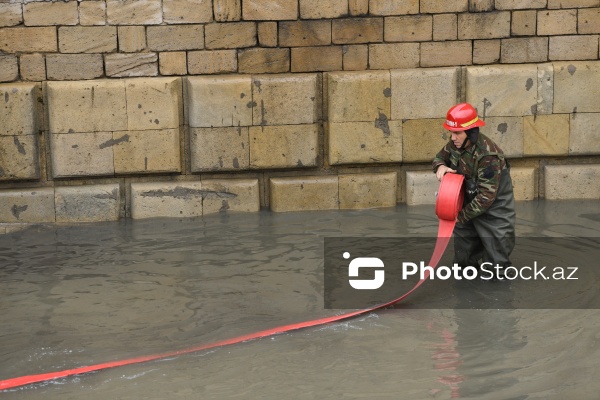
<point x="488" y="181"/>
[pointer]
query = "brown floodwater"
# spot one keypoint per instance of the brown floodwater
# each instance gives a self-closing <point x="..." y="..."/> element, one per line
<point x="79" y="295"/>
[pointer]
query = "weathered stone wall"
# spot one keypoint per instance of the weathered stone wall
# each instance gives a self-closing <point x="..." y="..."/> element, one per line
<point x="113" y="109"/>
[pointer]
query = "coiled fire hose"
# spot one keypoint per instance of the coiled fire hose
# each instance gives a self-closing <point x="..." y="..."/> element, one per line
<point x="448" y="204"/>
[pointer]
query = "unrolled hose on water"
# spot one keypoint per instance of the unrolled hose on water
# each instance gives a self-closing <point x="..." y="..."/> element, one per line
<point x="448" y="204"/>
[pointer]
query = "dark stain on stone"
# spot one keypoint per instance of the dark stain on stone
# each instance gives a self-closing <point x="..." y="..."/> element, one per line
<point x="529" y="84"/>
<point x="571" y="68"/>
<point x="242" y="95"/>
<point x="503" y="127"/>
<point x="263" y="112"/>
<point x="251" y="104"/>
<point x="145" y="163"/>
<point x="186" y="193"/>
<point x="112" y="142"/>
<point x="139" y="106"/>
<point x="16" y="210"/>
<point x="534" y="110"/>
<point x="362" y="146"/>
<point x="382" y="123"/>
<point x="6" y="97"/>
<point x="71" y="130"/>
<point x="387" y="92"/>
<point x="2" y="173"/>
<point x="299" y="164"/>
<point x="574" y="112"/>
<point x="19" y="145"/>
<point x="224" y="206"/>
<point x="221" y="162"/>
<point x="156" y="121"/>
<point x="302" y="186"/>
<point x="486" y="104"/>
<point x="258" y="85"/>
<point x="445" y="135"/>
<point x="75" y="146"/>
<point x="236" y="163"/>
<point x="107" y="196"/>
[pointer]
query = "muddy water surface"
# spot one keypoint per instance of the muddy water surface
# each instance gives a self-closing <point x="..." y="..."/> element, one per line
<point x="74" y="296"/>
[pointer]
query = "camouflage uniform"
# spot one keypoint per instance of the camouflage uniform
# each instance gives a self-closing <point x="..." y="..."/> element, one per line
<point x="485" y="227"/>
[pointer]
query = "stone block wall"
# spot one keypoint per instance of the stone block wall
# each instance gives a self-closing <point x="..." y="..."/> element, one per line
<point x="181" y="108"/>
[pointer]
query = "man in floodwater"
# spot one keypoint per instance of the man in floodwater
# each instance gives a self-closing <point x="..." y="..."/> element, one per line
<point x="485" y="227"/>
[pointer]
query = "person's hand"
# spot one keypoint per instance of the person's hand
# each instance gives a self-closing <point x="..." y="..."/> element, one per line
<point x="442" y="170"/>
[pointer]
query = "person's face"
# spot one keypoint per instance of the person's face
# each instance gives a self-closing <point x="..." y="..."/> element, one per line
<point x="459" y="138"/>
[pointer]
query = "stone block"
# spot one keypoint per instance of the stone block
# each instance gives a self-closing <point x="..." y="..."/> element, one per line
<point x="454" y="53"/>
<point x="393" y="55"/>
<point x="10" y="14"/>
<point x="187" y="11"/>
<point x="219" y="149"/>
<point x="149" y="151"/>
<point x="131" y="64"/>
<point x="524" y="23"/>
<point x="588" y="21"/>
<point x="172" y="63"/>
<point x="269" y="10"/>
<point x="445" y="27"/>
<point x="304" y="33"/>
<point x="423" y="93"/>
<point x="227" y="10"/>
<point x="18" y="112"/>
<point x="82" y="154"/>
<point x="358" y="96"/>
<point x="393" y="7"/>
<point x="317" y="9"/>
<point x="92" y="13"/>
<point x="63" y="67"/>
<point x="422" y="139"/>
<point x="365" y="142"/>
<point x="578" y="84"/>
<point x="520" y="4"/>
<point x="87" y="39"/>
<point x="484" y="25"/>
<point x="230" y="195"/>
<point x="557" y="22"/>
<point x="41" y="39"/>
<point x="321" y="58"/>
<point x="134" y="12"/>
<point x="175" y="37"/>
<point x="565" y="182"/>
<point x="360" y="7"/>
<point x="166" y="199"/>
<point x="554" y="4"/>
<point x="408" y="28"/>
<point x="90" y="203"/>
<point x="267" y="61"/>
<point x="421" y="188"/>
<point x="357" y="30"/>
<point x="360" y="191"/>
<point x="233" y="35"/>
<point x="545" y="88"/>
<point x="304" y="193"/>
<point x="285" y="99"/>
<point x="50" y="13"/>
<point x="507" y="132"/>
<point x="503" y="90"/>
<point x="576" y="47"/>
<point x="481" y="5"/>
<point x="19" y="157"/>
<point x="524" y="183"/>
<point x="284" y="146"/>
<point x="35" y="205"/>
<point x="486" y="51"/>
<point x="524" y="50"/>
<point x="448" y="6"/>
<point x="153" y="103"/>
<point x="9" y="68"/>
<point x="33" y="67"/>
<point x="355" y="57"/>
<point x="86" y="106"/>
<point x="212" y="62"/>
<point x="546" y="135"/>
<point x="267" y="34"/>
<point x="131" y="38"/>
<point x="584" y="137"/>
<point x="219" y="101"/>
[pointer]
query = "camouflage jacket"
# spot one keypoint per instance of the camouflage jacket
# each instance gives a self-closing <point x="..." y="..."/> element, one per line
<point x="482" y="161"/>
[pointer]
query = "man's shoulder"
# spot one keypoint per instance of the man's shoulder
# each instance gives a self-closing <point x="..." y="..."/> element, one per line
<point x="486" y="146"/>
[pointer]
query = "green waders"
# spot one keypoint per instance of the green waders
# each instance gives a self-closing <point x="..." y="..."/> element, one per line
<point x="490" y="237"/>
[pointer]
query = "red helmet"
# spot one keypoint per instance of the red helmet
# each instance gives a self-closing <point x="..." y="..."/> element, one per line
<point x="462" y="117"/>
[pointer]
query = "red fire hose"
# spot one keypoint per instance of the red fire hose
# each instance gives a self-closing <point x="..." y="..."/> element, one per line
<point x="448" y="204"/>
